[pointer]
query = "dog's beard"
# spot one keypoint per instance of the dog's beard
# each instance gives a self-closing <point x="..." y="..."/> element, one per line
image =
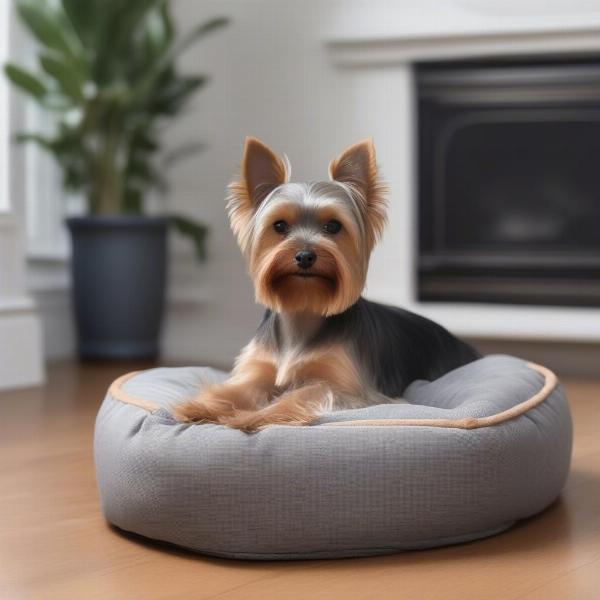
<point x="300" y="292"/>
<point x="328" y="288"/>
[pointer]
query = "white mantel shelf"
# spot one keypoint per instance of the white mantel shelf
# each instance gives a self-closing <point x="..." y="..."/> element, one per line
<point x="363" y="50"/>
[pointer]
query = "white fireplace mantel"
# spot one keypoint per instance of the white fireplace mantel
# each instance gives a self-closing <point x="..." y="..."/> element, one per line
<point x="365" y="51"/>
<point x="377" y="57"/>
<point x="384" y="32"/>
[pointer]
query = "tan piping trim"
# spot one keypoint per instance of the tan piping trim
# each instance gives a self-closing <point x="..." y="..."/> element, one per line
<point x="550" y="382"/>
<point x="116" y="391"/>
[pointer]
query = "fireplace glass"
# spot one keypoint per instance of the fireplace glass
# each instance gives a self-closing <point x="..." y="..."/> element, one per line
<point x="509" y="181"/>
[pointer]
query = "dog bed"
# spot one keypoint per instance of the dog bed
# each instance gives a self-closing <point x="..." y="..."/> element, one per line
<point x="470" y="454"/>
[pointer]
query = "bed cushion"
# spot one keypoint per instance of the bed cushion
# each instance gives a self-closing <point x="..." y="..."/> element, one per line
<point x="468" y="455"/>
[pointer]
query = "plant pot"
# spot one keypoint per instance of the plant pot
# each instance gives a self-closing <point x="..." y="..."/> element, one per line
<point x="118" y="274"/>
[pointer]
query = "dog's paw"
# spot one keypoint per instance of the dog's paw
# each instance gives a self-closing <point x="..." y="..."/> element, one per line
<point x="247" y="421"/>
<point x="211" y="404"/>
<point x="253" y="421"/>
<point x="298" y="407"/>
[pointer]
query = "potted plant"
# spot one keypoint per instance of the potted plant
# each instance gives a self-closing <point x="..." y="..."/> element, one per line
<point x="107" y="73"/>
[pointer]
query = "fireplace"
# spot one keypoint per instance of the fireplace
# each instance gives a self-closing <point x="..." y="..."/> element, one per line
<point x="509" y="181"/>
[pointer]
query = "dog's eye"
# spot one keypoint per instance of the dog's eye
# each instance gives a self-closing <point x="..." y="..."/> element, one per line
<point x="332" y="226"/>
<point x="281" y="227"/>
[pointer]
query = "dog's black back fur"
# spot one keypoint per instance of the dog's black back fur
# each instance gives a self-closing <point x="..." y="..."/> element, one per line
<point x="399" y="346"/>
<point x="396" y="346"/>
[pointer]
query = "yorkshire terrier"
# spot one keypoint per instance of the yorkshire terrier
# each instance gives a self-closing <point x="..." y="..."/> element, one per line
<point x="320" y="345"/>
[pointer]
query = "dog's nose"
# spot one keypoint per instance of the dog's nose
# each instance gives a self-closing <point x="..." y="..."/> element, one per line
<point x="305" y="259"/>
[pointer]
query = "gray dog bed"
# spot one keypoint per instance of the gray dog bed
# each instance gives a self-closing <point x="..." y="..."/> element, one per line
<point x="472" y="452"/>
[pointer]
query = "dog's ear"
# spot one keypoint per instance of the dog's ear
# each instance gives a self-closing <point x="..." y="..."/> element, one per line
<point x="261" y="172"/>
<point x="357" y="167"/>
<point x="262" y="169"/>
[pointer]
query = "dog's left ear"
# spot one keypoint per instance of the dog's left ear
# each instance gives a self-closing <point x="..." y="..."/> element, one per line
<point x="357" y="167"/>
<point x="261" y="172"/>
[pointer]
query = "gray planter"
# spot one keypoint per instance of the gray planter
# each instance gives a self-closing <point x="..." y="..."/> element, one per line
<point x="118" y="274"/>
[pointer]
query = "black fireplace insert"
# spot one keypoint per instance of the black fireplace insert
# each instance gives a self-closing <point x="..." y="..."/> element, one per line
<point x="509" y="181"/>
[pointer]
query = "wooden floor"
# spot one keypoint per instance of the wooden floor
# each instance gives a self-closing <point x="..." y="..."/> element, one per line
<point x="55" y="544"/>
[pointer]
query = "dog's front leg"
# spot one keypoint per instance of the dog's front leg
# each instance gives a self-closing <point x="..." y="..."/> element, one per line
<point x="250" y="387"/>
<point x="299" y="406"/>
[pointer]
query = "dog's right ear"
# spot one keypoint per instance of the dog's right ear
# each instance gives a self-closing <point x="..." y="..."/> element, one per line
<point x="262" y="171"/>
<point x="357" y="167"/>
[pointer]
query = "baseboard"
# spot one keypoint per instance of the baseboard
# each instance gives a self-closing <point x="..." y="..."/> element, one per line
<point x="566" y="359"/>
<point x="58" y="326"/>
<point x="21" y="348"/>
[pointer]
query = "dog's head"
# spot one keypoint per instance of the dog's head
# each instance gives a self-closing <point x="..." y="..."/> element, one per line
<point x="307" y="244"/>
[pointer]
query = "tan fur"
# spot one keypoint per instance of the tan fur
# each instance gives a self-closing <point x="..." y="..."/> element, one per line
<point x="250" y="387"/>
<point x="299" y="406"/>
<point x="294" y="391"/>
<point x="331" y="364"/>
<point x="340" y="266"/>
<point x="349" y="234"/>
<point x="357" y="167"/>
<point x="250" y="189"/>
<point x="278" y="287"/>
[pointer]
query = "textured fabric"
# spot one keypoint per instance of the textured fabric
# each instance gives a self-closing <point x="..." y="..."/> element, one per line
<point x="328" y="491"/>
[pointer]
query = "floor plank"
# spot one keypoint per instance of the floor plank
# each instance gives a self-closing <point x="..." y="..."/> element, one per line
<point x="54" y="543"/>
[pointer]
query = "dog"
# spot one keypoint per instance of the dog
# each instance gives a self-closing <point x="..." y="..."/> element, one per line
<point x="321" y="346"/>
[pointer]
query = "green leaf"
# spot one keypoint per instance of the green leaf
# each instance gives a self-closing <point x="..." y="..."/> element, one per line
<point x="130" y="15"/>
<point x="157" y="36"/>
<point x="144" y="139"/>
<point x="182" y="152"/>
<point x="196" y="34"/>
<point x="133" y="201"/>
<point x="193" y="230"/>
<point x="39" y="139"/>
<point x="67" y="151"/>
<point x="67" y="78"/>
<point x="117" y="37"/>
<point x="171" y="98"/>
<point x="167" y="60"/>
<point x="45" y="23"/>
<point x="83" y="18"/>
<point x="26" y="81"/>
<point x="108" y="72"/>
<point x="167" y="20"/>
